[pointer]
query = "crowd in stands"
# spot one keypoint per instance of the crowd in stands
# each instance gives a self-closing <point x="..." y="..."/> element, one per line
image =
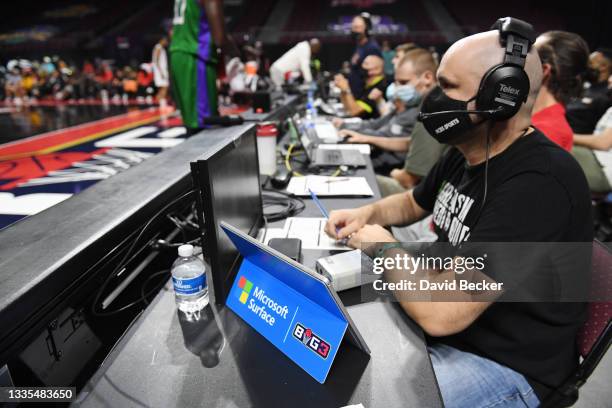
<point x="29" y="81"/>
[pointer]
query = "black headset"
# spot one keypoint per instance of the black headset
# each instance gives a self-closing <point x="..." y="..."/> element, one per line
<point x="367" y="19"/>
<point x="505" y="87"/>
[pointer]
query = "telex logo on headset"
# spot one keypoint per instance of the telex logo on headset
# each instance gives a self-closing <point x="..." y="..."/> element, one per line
<point x="311" y="340"/>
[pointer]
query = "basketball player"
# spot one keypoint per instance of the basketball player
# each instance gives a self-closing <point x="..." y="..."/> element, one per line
<point x="198" y="29"/>
<point x="160" y="71"/>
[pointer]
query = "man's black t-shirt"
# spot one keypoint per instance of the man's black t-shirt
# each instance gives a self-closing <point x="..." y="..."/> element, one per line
<point x="583" y="113"/>
<point x="369" y="106"/>
<point x="357" y="75"/>
<point x="536" y="193"/>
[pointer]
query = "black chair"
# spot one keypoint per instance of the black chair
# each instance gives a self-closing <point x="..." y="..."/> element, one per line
<point x="595" y="336"/>
<point x="601" y="204"/>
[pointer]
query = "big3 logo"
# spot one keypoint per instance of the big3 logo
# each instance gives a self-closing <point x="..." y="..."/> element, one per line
<point x="311" y="340"/>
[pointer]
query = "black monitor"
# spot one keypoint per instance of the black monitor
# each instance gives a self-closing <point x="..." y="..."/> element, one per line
<point x="227" y="187"/>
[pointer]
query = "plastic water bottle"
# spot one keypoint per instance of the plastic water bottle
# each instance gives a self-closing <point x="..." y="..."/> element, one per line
<point x="189" y="279"/>
<point x="311" y="110"/>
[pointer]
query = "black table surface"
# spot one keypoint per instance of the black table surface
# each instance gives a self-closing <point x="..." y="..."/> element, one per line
<point x="219" y="361"/>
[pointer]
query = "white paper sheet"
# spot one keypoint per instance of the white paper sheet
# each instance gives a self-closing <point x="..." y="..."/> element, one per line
<point x="329" y="186"/>
<point x="309" y="230"/>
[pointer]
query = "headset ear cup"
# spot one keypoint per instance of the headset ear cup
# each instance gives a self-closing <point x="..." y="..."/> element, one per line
<point x="367" y="19"/>
<point x="504" y="86"/>
<point x="485" y="90"/>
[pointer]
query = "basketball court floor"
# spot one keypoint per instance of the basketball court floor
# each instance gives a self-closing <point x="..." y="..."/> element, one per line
<point x="52" y="151"/>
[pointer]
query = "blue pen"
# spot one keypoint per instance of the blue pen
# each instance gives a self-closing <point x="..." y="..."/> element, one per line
<point x="324" y="212"/>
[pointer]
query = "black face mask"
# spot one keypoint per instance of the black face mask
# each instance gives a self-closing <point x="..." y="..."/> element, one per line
<point x="355" y="36"/>
<point x="447" y="128"/>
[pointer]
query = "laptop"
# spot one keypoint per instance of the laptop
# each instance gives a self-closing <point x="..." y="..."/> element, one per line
<point x="321" y="158"/>
<point x="295" y="275"/>
<point x="326" y="132"/>
<point x="336" y="157"/>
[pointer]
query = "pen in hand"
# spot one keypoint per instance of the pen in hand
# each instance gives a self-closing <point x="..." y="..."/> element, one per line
<point x="325" y="214"/>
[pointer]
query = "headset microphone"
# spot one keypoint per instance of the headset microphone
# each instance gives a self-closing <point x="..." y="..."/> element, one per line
<point x="481" y="112"/>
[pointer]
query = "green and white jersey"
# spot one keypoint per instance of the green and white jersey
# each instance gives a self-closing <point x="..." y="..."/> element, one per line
<point x="191" y="31"/>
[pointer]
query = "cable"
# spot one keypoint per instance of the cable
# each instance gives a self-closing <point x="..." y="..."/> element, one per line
<point x="178" y="225"/>
<point x="265" y="229"/>
<point x="288" y="156"/>
<point x="291" y="206"/>
<point x="162" y="243"/>
<point x="144" y="295"/>
<point x="288" y="161"/>
<point x="122" y="263"/>
<point x="486" y="179"/>
<point x="486" y="174"/>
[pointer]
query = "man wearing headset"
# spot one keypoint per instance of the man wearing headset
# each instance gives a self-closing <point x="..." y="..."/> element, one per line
<point x="488" y="353"/>
<point x="364" y="46"/>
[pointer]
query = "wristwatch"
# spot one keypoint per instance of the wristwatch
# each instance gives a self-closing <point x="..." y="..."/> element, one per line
<point x="385" y="247"/>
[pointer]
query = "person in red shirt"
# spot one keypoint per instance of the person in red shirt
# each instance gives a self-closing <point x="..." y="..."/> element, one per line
<point x="564" y="58"/>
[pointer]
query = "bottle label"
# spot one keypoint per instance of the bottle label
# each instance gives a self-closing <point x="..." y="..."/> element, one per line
<point x="189" y="286"/>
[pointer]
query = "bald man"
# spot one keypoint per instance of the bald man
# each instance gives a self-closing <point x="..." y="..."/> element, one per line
<point x="486" y="353"/>
<point x="297" y="59"/>
<point x="364" y="104"/>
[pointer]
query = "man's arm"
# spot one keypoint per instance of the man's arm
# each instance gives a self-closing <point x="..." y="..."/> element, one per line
<point x="156" y="52"/>
<point x="350" y="104"/>
<point x="437" y="317"/>
<point x="440" y="312"/>
<point x="305" y="64"/>
<point x="398" y="209"/>
<point x="602" y="141"/>
<point x="391" y="144"/>
<point x="216" y="19"/>
<point x="346" y="96"/>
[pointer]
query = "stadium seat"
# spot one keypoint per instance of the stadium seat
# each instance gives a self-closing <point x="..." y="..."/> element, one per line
<point x="595" y="335"/>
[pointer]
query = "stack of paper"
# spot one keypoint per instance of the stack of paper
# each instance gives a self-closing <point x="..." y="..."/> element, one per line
<point x="330" y="186"/>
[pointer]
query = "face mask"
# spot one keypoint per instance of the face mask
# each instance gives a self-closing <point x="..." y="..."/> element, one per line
<point x="390" y="92"/>
<point x="447" y="127"/>
<point x="355" y="36"/>
<point x="406" y="93"/>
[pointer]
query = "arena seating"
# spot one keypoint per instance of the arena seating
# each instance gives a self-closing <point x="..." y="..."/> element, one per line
<point x="474" y="16"/>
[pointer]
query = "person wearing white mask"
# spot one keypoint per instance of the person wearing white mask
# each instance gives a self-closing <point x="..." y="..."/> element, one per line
<point x="390" y="134"/>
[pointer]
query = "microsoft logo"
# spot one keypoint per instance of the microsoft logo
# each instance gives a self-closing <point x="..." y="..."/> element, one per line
<point x="246" y="286"/>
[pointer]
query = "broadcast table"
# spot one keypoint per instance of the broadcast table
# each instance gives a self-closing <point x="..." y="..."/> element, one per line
<point x="219" y="361"/>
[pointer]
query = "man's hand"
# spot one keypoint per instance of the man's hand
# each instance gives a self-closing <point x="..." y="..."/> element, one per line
<point x="353" y="137"/>
<point x="342" y="223"/>
<point x="341" y="82"/>
<point x="368" y="236"/>
<point x="375" y="94"/>
<point x="337" y="122"/>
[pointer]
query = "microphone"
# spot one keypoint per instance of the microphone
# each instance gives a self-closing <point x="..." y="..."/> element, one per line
<point x="482" y="112"/>
<point x="229" y="120"/>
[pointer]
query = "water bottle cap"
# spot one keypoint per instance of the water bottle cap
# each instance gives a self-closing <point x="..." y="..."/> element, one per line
<point x="185" y="250"/>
